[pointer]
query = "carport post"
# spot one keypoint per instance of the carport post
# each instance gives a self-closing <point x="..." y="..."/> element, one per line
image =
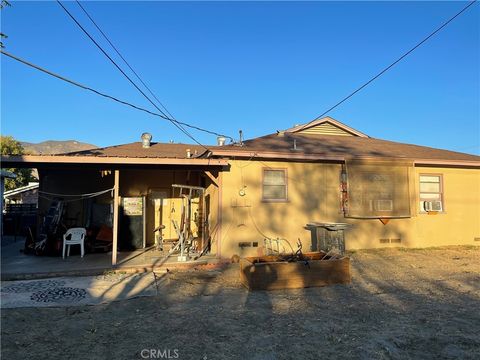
<point x="1" y="204"/>
<point x="115" y="217"/>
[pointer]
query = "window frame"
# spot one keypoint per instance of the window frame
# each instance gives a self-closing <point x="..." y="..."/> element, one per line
<point x="285" y="172"/>
<point x="372" y="197"/>
<point x="441" y="193"/>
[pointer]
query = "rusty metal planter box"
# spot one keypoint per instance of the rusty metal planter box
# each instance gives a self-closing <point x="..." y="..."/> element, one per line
<point x="267" y="273"/>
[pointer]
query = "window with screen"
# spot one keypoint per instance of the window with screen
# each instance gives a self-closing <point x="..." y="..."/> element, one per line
<point x="274" y="185"/>
<point x="431" y="193"/>
<point x="378" y="188"/>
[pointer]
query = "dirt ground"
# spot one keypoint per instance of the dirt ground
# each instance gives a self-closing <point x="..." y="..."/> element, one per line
<point x="401" y="304"/>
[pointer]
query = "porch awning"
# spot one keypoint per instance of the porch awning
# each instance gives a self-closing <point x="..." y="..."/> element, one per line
<point x="34" y="161"/>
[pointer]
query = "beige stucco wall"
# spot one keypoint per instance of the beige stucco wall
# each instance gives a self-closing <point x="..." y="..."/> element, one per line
<point x="314" y="195"/>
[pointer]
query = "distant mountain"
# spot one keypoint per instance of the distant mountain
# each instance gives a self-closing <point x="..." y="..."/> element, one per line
<point x="56" y="147"/>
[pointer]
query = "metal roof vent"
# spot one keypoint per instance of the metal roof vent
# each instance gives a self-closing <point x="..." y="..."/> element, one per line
<point x="146" y="139"/>
<point x="295" y="147"/>
<point x="221" y="140"/>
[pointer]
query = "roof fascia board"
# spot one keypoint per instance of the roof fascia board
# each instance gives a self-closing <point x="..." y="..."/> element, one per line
<point x="420" y="162"/>
<point x="275" y="155"/>
<point x="52" y="159"/>
<point x="293" y="156"/>
<point x="65" y="159"/>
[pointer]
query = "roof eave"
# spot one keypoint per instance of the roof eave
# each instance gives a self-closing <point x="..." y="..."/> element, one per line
<point x="35" y="160"/>
<point x="337" y="158"/>
<point x="460" y="163"/>
<point x="274" y="155"/>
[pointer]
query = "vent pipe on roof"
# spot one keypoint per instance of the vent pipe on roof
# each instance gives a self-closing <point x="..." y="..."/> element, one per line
<point x="295" y="148"/>
<point x="146" y="140"/>
<point x="189" y="154"/>
<point x="240" y="133"/>
<point x="221" y="140"/>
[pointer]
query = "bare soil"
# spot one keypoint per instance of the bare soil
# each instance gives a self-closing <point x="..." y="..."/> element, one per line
<point x="401" y="304"/>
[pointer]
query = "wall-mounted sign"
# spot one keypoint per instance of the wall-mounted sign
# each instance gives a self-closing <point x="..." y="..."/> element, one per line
<point x="132" y="206"/>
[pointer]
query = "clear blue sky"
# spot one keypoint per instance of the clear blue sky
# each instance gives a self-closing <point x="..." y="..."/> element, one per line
<point x="257" y="66"/>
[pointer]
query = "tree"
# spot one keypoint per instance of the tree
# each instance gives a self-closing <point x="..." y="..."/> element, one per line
<point x="10" y="146"/>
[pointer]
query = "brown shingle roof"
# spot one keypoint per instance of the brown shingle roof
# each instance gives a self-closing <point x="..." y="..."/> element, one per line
<point x="344" y="147"/>
<point x="135" y="150"/>
<point x="320" y="146"/>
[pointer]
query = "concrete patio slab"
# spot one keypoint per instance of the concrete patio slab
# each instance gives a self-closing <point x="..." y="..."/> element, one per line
<point x="16" y="265"/>
<point x="73" y="291"/>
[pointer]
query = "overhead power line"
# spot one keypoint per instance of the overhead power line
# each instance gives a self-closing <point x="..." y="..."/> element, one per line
<point x="127" y="77"/>
<point x="85" y="87"/>
<point x="123" y="58"/>
<point x="391" y="65"/>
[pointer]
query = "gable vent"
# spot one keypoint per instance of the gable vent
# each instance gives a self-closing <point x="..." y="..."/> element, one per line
<point x="325" y="129"/>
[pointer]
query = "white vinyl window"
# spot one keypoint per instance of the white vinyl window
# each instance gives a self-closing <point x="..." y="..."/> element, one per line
<point x="431" y="193"/>
<point x="274" y="185"/>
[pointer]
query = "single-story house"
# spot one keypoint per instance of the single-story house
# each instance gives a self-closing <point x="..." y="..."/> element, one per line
<point x="271" y="187"/>
<point x="20" y="208"/>
<point x="4" y="174"/>
<point x="27" y="194"/>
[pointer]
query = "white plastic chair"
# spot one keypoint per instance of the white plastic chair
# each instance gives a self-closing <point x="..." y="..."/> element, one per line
<point x="77" y="237"/>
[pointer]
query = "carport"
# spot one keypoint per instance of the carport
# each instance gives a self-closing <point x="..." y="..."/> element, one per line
<point x="118" y="181"/>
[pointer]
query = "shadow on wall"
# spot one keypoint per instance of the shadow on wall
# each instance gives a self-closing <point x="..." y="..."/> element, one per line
<point x="313" y="195"/>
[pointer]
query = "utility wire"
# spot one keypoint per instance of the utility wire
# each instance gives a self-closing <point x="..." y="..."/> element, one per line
<point x="127" y="77"/>
<point x="123" y="58"/>
<point x="72" y="82"/>
<point x="124" y="74"/>
<point x="391" y="65"/>
<point x="140" y="79"/>
<point x="108" y="56"/>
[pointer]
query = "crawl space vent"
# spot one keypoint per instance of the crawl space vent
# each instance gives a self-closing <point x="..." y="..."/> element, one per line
<point x="391" y="241"/>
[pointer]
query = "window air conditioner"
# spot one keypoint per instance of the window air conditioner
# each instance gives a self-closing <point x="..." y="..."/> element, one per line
<point x="384" y="205"/>
<point x="435" y="205"/>
<point x="381" y="205"/>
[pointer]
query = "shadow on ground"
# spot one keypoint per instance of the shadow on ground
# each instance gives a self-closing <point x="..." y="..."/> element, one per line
<point x="401" y="304"/>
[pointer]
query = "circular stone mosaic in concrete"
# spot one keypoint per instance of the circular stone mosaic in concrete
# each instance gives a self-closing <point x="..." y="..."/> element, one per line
<point x="31" y="286"/>
<point x="59" y="294"/>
